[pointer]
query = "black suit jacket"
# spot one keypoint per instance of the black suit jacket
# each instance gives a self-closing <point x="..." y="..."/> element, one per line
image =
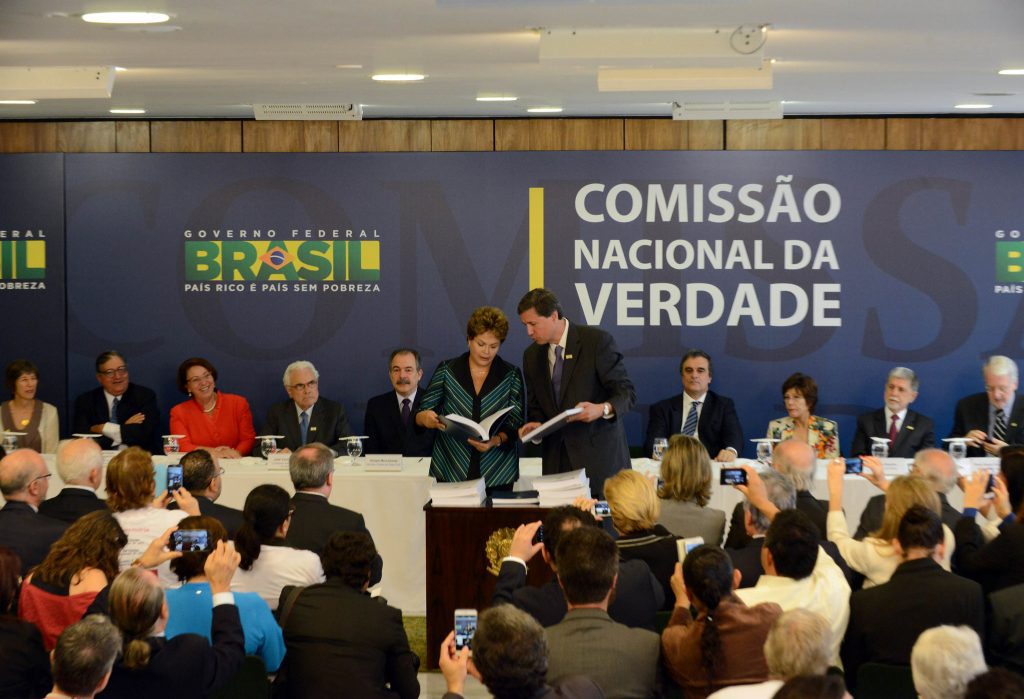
<point x="327" y="425"/>
<point x="997" y="564"/>
<point x="916" y="433"/>
<point x="70" y="504"/>
<point x="885" y="621"/>
<point x="816" y="509"/>
<point x="718" y="427"/>
<point x="315" y="519"/>
<point x="28" y="533"/>
<point x="747" y="560"/>
<point x="25" y="670"/>
<point x="638" y="595"/>
<point x="387" y="435"/>
<point x="91" y="409"/>
<point x="187" y="665"/>
<point x="972" y="414"/>
<point x="355" y="658"/>
<point x="231" y="518"/>
<point x="871" y="518"/>
<point x="593" y="371"/>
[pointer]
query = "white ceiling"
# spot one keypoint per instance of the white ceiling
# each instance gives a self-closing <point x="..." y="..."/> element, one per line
<point x="833" y="57"/>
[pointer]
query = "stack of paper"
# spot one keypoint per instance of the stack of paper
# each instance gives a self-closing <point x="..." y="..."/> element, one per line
<point x="562" y="488"/>
<point x="462" y="494"/>
<point x="518" y="498"/>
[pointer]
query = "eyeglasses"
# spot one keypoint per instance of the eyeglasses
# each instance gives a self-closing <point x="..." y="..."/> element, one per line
<point x="220" y="472"/>
<point x="303" y="386"/>
<point x="39" y="478"/>
<point x="200" y="379"/>
<point x="119" y="371"/>
<point x="291" y="512"/>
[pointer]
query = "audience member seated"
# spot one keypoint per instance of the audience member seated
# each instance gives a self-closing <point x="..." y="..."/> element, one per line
<point x="800" y="397"/>
<point x="268" y="563"/>
<point x="798" y="572"/>
<point x="84" y="658"/>
<point x="80" y="465"/>
<point x="779" y="489"/>
<point x="816" y="687"/>
<point x="122" y="413"/>
<point x="305" y="417"/>
<point x="885" y="621"/>
<point x="908" y="431"/>
<point x="587" y="642"/>
<point x="639" y="595"/>
<point x="876" y="557"/>
<point x="80" y="564"/>
<point x="191" y="605"/>
<point x="999" y="563"/>
<point x="23" y="413"/>
<point x="153" y="667"/>
<point x="796" y="460"/>
<point x="25" y="670"/>
<point x="635" y="509"/>
<point x="314" y="519"/>
<point x="686" y="491"/>
<point x="390" y="422"/>
<point x="799" y="644"/>
<point x="934" y="465"/>
<point x="24" y="481"/>
<point x="510" y="657"/>
<point x="204" y="479"/>
<point x="944" y="660"/>
<point x="997" y="683"/>
<point x="221" y="422"/>
<point x="131" y="489"/>
<point x="338" y="636"/>
<point x="722" y="645"/>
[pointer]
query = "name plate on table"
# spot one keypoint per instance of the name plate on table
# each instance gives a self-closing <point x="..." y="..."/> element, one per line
<point x="894" y="466"/>
<point x="278" y="462"/>
<point x="383" y="462"/>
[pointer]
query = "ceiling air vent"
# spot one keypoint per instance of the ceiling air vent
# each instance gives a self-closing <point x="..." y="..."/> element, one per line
<point x="313" y="111"/>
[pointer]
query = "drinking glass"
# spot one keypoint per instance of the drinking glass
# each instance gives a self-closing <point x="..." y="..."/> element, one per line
<point x="10" y="442"/>
<point x="171" y="444"/>
<point x="268" y="446"/>
<point x="660" y="445"/>
<point x="958" y="450"/>
<point x="354" y="449"/>
<point x="764" y="451"/>
<point x="879" y="450"/>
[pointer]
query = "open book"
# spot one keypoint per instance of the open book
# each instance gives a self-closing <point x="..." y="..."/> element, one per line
<point x="458" y="426"/>
<point x="553" y="425"/>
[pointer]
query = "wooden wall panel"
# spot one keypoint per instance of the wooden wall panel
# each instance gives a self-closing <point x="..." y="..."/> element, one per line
<point x="196" y="136"/>
<point x="290" y="136"/>
<point x="998" y="133"/>
<point x="132" y="136"/>
<point x="903" y="134"/>
<point x="853" y="134"/>
<point x="28" y="137"/>
<point x="656" y="134"/>
<point x="384" y="135"/>
<point x="462" y="135"/>
<point x="86" y="136"/>
<point x="773" y="134"/>
<point x="559" y="134"/>
<point x="707" y="135"/>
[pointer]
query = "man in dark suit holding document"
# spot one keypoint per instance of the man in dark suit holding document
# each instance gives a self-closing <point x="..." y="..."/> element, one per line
<point x="575" y="366"/>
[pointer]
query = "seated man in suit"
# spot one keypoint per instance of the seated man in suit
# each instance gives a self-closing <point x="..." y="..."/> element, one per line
<point x="886" y="620"/>
<point x="747" y="560"/>
<point x="994" y="418"/>
<point x="84" y="657"/>
<point x="23" y="482"/>
<point x="125" y="414"/>
<point x="908" y="431"/>
<point x="305" y="417"/>
<point x="390" y="424"/>
<point x="639" y="597"/>
<point x="587" y="641"/>
<point x="697" y="412"/>
<point x="201" y="476"/>
<point x="80" y="465"/>
<point x="314" y="519"/>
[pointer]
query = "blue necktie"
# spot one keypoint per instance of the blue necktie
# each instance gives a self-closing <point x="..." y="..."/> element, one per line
<point x="113" y="409"/>
<point x="690" y="426"/>
<point x="556" y="373"/>
<point x="304" y="425"/>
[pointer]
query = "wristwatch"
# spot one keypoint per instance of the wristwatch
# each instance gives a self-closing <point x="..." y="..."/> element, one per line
<point x="607" y="409"/>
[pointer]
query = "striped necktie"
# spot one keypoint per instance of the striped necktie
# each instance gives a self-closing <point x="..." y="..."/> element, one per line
<point x="999" y="429"/>
<point x="690" y="426"/>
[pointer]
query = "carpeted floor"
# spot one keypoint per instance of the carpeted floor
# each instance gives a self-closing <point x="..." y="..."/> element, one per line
<point x="416" y="630"/>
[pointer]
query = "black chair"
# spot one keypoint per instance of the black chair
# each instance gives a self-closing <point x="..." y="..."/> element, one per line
<point x="250" y="682"/>
<point x="881" y="681"/>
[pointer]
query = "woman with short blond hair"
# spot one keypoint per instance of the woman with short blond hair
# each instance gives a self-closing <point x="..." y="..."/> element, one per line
<point x="686" y="491"/>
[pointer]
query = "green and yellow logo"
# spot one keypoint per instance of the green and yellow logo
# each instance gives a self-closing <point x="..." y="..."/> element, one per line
<point x="292" y="260"/>
<point x="1010" y="262"/>
<point x="22" y="259"/>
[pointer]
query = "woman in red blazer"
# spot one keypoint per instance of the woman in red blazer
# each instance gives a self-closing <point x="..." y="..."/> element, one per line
<point x="219" y="422"/>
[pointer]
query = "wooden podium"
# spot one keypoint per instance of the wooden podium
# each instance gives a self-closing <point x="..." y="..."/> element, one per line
<point x="457" y="575"/>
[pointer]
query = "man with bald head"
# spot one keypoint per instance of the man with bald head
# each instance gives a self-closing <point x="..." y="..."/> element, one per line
<point x="794" y="458"/>
<point x="80" y="465"/>
<point x="23" y="481"/>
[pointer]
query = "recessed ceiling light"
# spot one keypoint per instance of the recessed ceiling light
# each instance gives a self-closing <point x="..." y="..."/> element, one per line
<point x="349" y="66"/>
<point x="17" y="101"/>
<point x="398" y="77"/>
<point x="1012" y="71"/>
<point x="119" y="69"/>
<point x="496" y="98"/>
<point x="544" y="110"/>
<point x="973" y="106"/>
<point x="125" y="17"/>
<point x="127" y="111"/>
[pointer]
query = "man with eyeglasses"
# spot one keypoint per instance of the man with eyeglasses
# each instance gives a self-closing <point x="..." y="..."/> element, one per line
<point x="24" y="480"/>
<point x="994" y="418"/>
<point x="123" y="413"/>
<point x="305" y="417"/>
<point x="202" y="476"/>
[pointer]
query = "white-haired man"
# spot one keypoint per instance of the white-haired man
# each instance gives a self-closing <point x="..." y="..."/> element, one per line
<point x="944" y="660"/>
<point x="994" y="418"/>
<point x="305" y="417"/>
<point x="80" y="465"/>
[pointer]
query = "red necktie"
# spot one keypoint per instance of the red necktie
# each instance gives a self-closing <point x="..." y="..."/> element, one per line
<point x="892" y="430"/>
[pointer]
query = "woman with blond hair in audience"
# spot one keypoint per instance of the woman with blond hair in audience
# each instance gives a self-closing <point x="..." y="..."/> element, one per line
<point x="686" y="491"/>
<point x="635" y="509"/>
<point x="80" y="564"/>
<point x="876" y="558"/>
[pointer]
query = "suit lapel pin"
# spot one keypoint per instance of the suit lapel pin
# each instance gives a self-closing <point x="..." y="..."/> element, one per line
<point x="312" y="428"/>
<point x="909" y="427"/>
<point x="1013" y="424"/>
<point x="568" y="356"/>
